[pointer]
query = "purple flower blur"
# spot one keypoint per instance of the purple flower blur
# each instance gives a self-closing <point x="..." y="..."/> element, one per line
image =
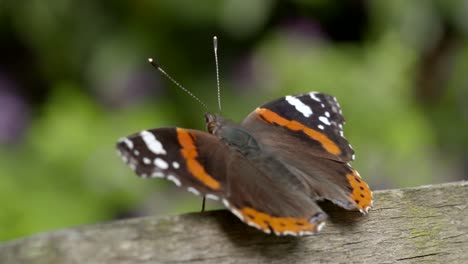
<point x="301" y="27"/>
<point x="14" y="113"/>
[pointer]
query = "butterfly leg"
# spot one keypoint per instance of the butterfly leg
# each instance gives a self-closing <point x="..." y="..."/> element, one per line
<point x="203" y="204"/>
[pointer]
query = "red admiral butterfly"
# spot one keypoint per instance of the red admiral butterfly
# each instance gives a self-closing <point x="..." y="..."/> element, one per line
<point x="269" y="170"/>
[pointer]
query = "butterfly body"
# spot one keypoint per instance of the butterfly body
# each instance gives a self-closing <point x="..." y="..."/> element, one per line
<point x="269" y="170"/>
<point x="235" y="136"/>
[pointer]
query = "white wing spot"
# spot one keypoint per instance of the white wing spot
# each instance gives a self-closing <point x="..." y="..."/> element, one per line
<point x="327" y="114"/>
<point x="160" y="163"/>
<point x="353" y="156"/>
<point x="146" y="161"/>
<point x="321" y="127"/>
<point x="157" y="174"/>
<point x="173" y="179"/>
<point x="299" y="105"/>
<point x="323" y="106"/>
<point x="214" y="197"/>
<point x="313" y="96"/>
<point x="136" y="152"/>
<point x="258" y="227"/>
<point x="152" y="143"/>
<point x="127" y="142"/>
<point x="341" y="133"/>
<point x="175" y="164"/>
<point x="290" y="233"/>
<point x="237" y="213"/>
<point x="193" y="190"/>
<point x="320" y="226"/>
<point x="324" y="120"/>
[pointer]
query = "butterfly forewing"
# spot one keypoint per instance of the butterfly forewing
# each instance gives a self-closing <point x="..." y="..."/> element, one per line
<point x="314" y="118"/>
<point x="178" y="155"/>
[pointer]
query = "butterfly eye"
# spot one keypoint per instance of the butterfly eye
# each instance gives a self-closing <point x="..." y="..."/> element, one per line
<point x="211" y="122"/>
<point x="211" y="126"/>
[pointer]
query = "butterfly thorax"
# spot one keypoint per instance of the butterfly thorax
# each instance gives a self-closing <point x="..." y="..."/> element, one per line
<point x="233" y="135"/>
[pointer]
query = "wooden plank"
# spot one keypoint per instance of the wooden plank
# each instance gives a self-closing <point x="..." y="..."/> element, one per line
<point x="418" y="225"/>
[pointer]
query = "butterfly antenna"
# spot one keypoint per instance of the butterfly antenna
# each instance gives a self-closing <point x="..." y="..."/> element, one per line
<point x="156" y="65"/>
<point x="215" y="48"/>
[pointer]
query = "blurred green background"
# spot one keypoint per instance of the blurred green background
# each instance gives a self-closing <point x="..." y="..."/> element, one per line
<point x="74" y="78"/>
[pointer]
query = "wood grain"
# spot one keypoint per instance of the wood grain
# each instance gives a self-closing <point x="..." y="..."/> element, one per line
<point x="427" y="224"/>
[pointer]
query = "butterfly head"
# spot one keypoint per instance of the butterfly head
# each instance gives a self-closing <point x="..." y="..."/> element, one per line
<point x="214" y="122"/>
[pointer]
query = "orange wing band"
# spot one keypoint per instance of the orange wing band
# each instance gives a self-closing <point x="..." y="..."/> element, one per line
<point x="190" y="154"/>
<point x="274" y="118"/>
<point x="279" y="225"/>
<point x="361" y="195"/>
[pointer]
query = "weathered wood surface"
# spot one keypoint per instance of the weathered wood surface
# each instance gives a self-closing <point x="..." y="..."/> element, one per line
<point x="428" y="224"/>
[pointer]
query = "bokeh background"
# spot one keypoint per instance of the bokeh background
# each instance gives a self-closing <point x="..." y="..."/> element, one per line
<point x="74" y="78"/>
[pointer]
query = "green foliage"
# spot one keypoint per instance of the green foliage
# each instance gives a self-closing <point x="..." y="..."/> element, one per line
<point x="85" y="78"/>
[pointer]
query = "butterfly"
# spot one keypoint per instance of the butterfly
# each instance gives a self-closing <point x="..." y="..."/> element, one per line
<point x="269" y="171"/>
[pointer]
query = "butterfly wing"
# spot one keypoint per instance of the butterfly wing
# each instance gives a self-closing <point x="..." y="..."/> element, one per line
<point x="304" y="132"/>
<point x="263" y="200"/>
<point x="179" y="155"/>
<point x="203" y="164"/>
<point x="315" y="118"/>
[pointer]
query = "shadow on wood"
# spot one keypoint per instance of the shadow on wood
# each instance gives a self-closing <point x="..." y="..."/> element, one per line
<point x="424" y="224"/>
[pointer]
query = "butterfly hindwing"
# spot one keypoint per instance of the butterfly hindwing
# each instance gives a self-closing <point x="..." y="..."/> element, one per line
<point x="263" y="200"/>
<point x="329" y="179"/>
